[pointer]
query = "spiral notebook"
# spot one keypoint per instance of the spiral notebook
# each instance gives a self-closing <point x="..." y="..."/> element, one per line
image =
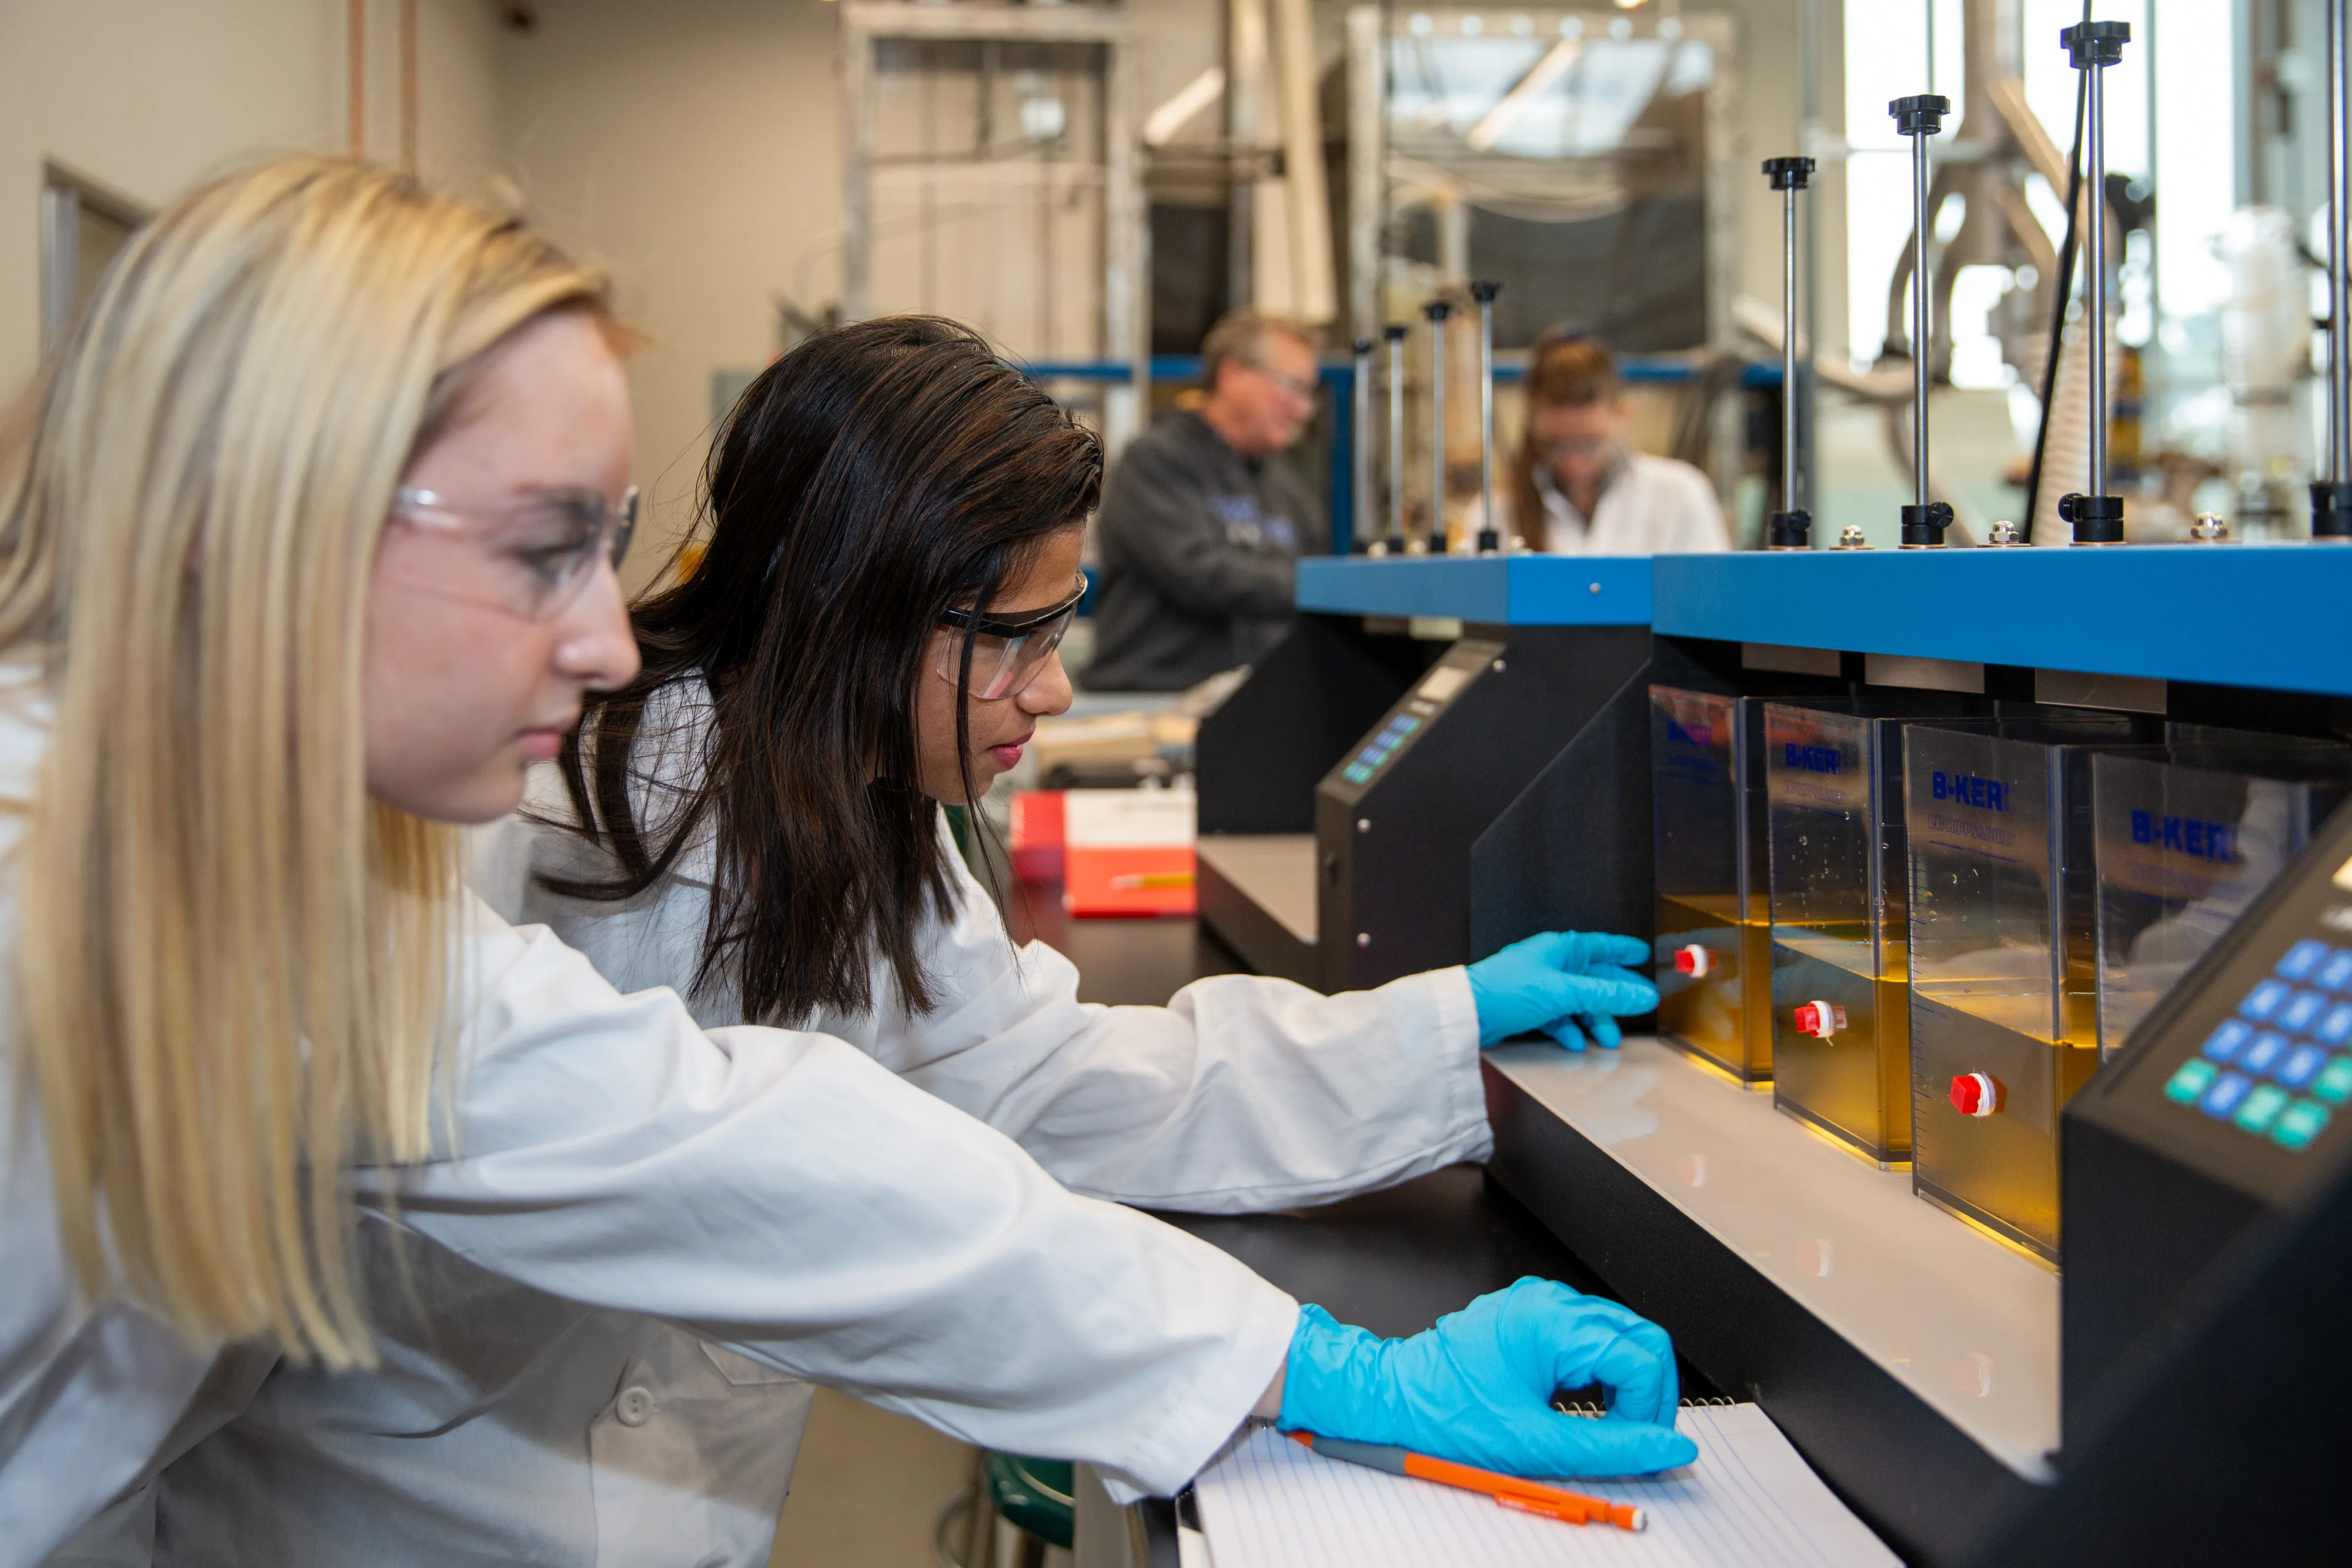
<point x="1749" y="1499"/>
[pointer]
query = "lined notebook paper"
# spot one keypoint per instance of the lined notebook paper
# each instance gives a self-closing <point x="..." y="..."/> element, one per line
<point x="1749" y="1499"/>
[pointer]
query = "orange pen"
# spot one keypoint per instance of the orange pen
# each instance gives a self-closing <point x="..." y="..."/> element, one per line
<point x="1510" y="1492"/>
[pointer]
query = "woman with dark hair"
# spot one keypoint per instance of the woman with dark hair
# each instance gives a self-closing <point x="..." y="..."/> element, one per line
<point x="894" y="518"/>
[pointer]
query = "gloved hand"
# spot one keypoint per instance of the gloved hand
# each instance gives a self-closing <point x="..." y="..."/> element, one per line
<point x="1477" y="1388"/>
<point x="1558" y="980"/>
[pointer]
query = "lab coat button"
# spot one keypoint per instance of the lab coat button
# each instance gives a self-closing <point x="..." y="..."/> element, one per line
<point x="634" y="1406"/>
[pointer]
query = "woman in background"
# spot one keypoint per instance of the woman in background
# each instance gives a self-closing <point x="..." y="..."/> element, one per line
<point x="1577" y="489"/>
<point x="306" y="555"/>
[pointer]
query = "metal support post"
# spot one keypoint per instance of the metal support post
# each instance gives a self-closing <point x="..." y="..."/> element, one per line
<point x="1437" y="310"/>
<point x="1792" y="528"/>
<point x="1395" y="540"/>
<point x="2331" y="498"/>
<point x="1919" y="117"/>
<point x="1360" y="449"/>
<point x="1490" y="536"/>
<point x="2097" y="516"/>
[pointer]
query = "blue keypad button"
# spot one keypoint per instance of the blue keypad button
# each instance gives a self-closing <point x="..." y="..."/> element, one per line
<point x="2337" y="973"/>
<point x="1357" y="773"/>
<point x="2301" y="1066"/>
<point x="2261" y="1107"/>
<point x="2224" y="1043"/>
<point x="2301" y="959"/>
<point x="2333" y="1083"/>
<point x="1407" y="724"/>
<point x="2222" y="1098"/>
<point x="2265" y="1000"/>
<point x="2336" y="1028"/>
<point x="2268" y="1049"/>
<point x="2300" y="1010"/>
<point x="2299" y="1124"/>
<point x="2189" y="1080"/>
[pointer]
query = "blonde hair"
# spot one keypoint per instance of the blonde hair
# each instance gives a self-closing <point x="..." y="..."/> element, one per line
<point x="232" y="963"/>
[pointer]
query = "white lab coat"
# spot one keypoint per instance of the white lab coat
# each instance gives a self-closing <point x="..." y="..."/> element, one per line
<point x="775" y="1191"/>
<point x="1648" y="506"/>
<point x="568" y="1436"/>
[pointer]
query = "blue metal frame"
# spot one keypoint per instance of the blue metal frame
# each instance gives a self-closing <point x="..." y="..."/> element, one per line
<point x="1495" y="590"/>
<point x="2272" y="616"/>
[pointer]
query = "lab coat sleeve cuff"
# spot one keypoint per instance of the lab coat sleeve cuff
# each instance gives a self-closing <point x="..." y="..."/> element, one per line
<point x="1458" y="1044"/>
<point x="1218" y="1407"/>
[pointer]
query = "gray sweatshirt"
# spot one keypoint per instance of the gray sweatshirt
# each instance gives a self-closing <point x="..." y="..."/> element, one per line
<point x="1198" y="547"/>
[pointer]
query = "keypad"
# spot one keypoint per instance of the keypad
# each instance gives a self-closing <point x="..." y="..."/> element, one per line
<point x="2281" y="1068"/>
<point x="2333" y="1083"/>
<point x="2299" y="1124"/>
<point x="2190" y="1080"/>
<point x="2266" y="1050"/>
<point x="2224" y="1043"/>
<point x="2301" y="1066"/>
<point x="2301" y="959"/>
<point x="2222" y="1097"/>
<point x="1379" y="749"/>
<point x="2265" y="1000"/>
<point x="2261" y="1107"/>
<point x="2300" y="1010"/>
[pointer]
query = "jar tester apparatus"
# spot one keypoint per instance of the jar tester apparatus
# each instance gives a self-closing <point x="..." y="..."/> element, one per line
<point x="1359" y="451"/>
<point x="1918" y="118"/>
<point x="2331" y="498"/>
<point x="1490" y="538"/>
<point x="2097" y="517"/>
<point x="1437" y="310"/>
<point x="1791" y="528"/>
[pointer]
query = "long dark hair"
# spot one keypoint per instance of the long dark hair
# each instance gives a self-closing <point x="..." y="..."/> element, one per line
<point x="868" y="480"/>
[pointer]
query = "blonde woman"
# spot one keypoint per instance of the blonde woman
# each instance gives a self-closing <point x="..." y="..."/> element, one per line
<point x="306" y="555"/>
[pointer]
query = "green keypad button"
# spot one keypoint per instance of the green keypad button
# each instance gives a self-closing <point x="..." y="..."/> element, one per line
<point x="2194" y="1074"/>
<point x="2299" y="1124"/>
<point x="2259" y="1108"/>
<point x="2333" y="1083"/>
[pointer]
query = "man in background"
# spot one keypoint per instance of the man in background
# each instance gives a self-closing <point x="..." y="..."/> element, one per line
<point x="1577" y="489"/>
<point x="1201" y="527"/>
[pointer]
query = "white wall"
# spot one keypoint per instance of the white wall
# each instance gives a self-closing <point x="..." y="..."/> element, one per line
<point x="146" y="97"/>
<point x="692" y="148"/>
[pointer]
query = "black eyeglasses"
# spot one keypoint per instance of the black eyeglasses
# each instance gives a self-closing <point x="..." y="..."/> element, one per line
<point x="1006" y="652"/>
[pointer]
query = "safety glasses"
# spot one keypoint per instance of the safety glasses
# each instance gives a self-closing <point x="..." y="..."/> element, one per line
<point x="533" y="555"/>
<point x="1006" y="653"/>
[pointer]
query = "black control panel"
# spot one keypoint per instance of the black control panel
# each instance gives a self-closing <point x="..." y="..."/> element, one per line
<point x="2231" y="1099"/>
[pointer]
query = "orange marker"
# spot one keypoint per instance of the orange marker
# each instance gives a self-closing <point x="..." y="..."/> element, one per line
<point x="1510" y="1492"/>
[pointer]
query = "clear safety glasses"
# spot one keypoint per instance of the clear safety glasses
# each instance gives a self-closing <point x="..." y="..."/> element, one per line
<point x="1006" y="653"/>
<point x="534" y="555"/>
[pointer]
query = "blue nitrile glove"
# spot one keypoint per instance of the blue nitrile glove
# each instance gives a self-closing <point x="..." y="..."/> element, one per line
<point x="1477" y="1388"/>
<point x="1558" y="980"/>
